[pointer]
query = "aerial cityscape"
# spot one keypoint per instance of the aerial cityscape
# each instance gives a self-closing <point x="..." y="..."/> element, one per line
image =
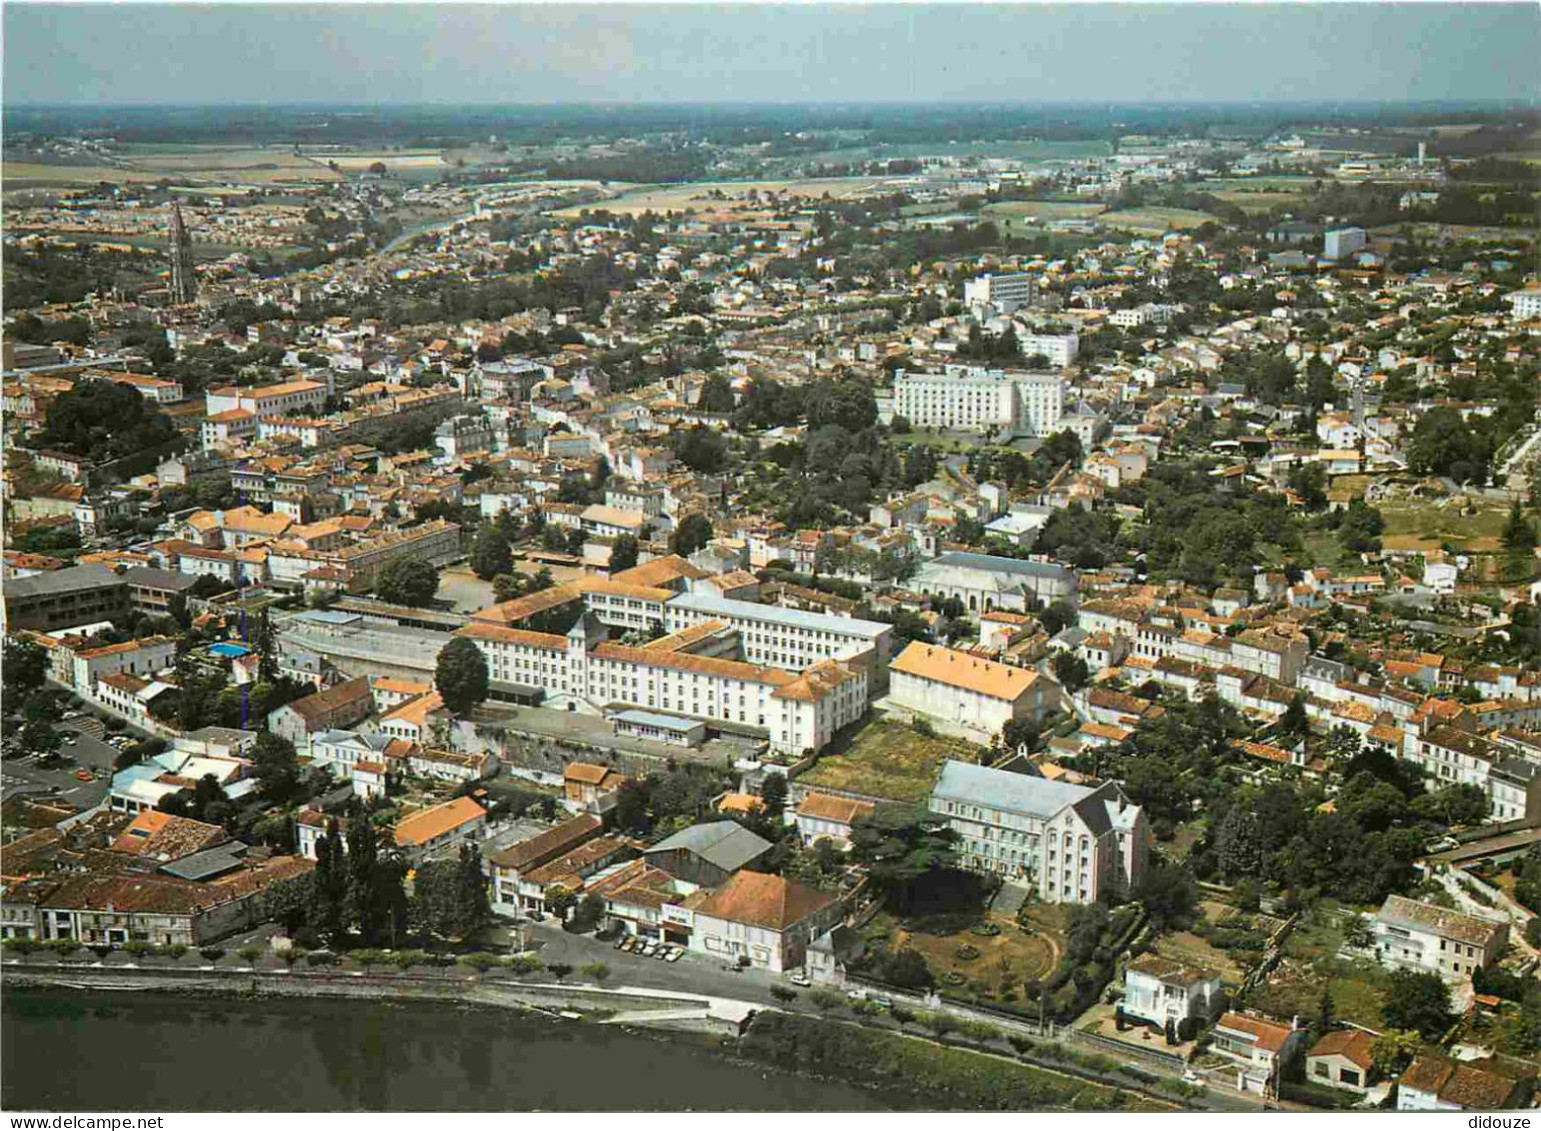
<point x="812" y="558"/>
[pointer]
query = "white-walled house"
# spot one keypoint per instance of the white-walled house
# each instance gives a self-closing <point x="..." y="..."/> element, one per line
<point x="1257" y="1046"/>
<point x="1158" y="990"/>
<point x="1422" y="936"/>
<point x="1439" y="1083"/>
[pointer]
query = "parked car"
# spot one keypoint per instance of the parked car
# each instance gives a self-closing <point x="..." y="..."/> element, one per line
<point x="798" y="978"/>
<point x="676" y="954"/>
<point x="83" y="775"/>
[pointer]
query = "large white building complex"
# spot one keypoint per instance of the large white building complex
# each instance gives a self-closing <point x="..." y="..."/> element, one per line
<point x="1072" y="843"/>
<point x="1421" y="936"/>
<point x="974" y="398"/>
<point x="685" y="674"/>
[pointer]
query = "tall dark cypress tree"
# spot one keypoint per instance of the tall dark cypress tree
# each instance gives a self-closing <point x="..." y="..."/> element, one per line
<point x="330" y="886"/>
<point x="362" y="907"/>
<point x="473" y="908"/>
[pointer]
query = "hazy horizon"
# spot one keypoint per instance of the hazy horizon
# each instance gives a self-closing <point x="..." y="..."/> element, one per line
<point x="698" y="54"/>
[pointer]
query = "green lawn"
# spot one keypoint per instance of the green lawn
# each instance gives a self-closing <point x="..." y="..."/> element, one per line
<point x="940" y="443"/>
<point x="888" y="761"/>
<point x="1043" y="209"/>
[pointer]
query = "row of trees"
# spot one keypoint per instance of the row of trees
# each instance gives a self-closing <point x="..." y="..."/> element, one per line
<point x="357" y="893"/>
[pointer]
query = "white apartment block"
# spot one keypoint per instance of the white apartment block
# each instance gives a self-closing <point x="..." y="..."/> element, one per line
<point x="1525" y="305"/>
<point x="973" y="398"/>
<point x="1060" y="349"/>
<point x="1421" y="936"/>
<point x="1072" y="843"/>
<point x="1005" y="293"/>
<point x="1130" y="317"/>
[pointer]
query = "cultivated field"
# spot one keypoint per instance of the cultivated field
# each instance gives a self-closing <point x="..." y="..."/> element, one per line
<point x="1155" y="221"/>
<point x="1256" y="201"/>
<point x="725" y="198"/>
<point x="21" y="174"/>
<point x="393" y="160"/>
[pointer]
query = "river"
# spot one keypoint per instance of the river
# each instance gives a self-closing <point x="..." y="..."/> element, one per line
<point x="123" y="1051"/>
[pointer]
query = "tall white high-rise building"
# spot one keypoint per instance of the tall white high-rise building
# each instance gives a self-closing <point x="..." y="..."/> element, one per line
<point x="1005" y="293"/>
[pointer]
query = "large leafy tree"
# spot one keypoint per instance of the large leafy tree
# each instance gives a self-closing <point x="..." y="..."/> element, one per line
<point x="490" y="552"/>
<point x="1444" y="444"/>
<point x="900" y="845"/>
<point x="461" y="675"/>
<point x="623" y="555"/>
<point x="717" y="395"/>
<point x="408" y="581"/>
<point x="366" y="900"/>
<point x="329" y="888"/>
<point x="103" y="419"/>
<point x="692" y="534"/>
<point x="1239" y="844"/>
<point x="449" y="897"/>
<point x="1169" y="895"/>
<point x="25" y="666"/>
<point x="1419" y="1001"/>
<point x="275" y="768"/>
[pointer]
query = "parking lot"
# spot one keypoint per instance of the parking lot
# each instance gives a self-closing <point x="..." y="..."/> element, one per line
<point x="85" y="748"/>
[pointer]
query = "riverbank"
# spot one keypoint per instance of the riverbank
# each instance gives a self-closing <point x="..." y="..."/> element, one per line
<point x="639" y="1007"/>
<point x="933" y="1074"/>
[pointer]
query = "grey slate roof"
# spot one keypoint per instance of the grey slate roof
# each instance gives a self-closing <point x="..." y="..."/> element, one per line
<point x="152" y="578"/>
<point x="712" y="605"/>
<point x="962" y="560"/>
<point x="91" y="576"/>
<point x="210" y="862"/>
<point x="1001" y="789"/>
<point x="725" y="844"/>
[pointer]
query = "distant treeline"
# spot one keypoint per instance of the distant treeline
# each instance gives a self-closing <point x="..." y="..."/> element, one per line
<point x="439" y="125"/>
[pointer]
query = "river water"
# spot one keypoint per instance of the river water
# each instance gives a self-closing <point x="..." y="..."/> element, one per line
<point x="122" y="1051"/>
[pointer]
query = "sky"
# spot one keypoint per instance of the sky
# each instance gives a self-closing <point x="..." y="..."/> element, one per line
<point x="1026" y="52"/>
